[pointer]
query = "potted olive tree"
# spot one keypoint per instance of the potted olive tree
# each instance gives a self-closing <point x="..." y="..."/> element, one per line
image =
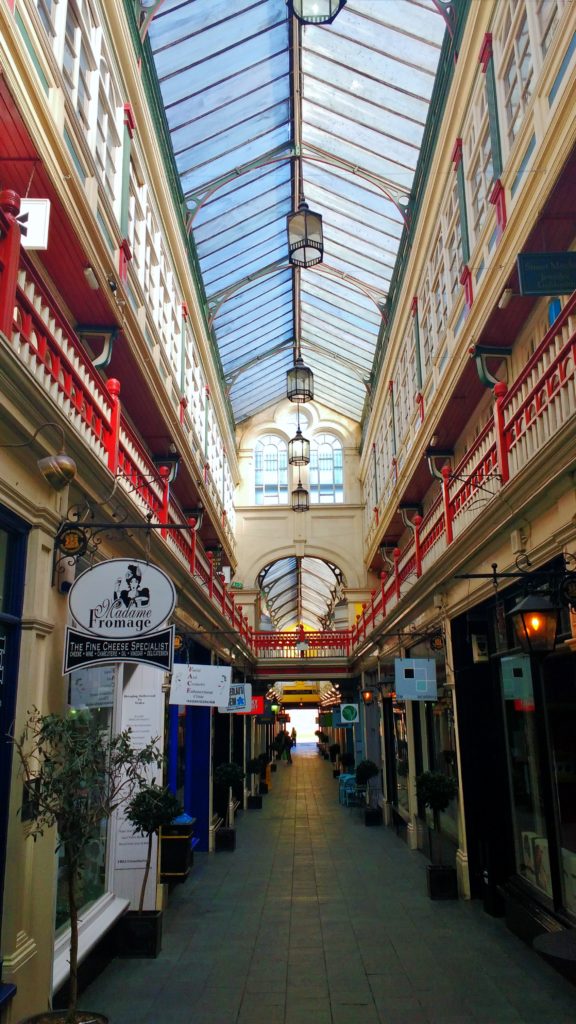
<point x="334" y="751"/>
<point x="227" y="776"/>
<point x="253" y="769"/>
<point x="75" y="776"/>
<point x="365" y="771"/>
<point x="139" y="932"/>
<point x="435" y="791"/>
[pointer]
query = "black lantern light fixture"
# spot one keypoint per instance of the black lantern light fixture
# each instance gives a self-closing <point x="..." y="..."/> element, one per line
<point x="300" y="497"/>
<point x="299" y="447"/>
<point x="316" y="12"/>
<point x="305" y="237"/>
<point x="535" y="622"/>
<point x="299" y="381"/>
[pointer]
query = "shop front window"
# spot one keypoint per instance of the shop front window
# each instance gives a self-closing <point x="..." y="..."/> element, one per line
<point x="90" y="689"/>
<point x="560" y="701"/>
<point x="528" y="818"/>
<point x="401" y="754"/>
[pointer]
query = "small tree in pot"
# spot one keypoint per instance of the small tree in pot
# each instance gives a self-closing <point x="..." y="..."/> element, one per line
<point x="435" y="790"/>
<point x="76" y="777"/>
<point x="226" y="777"/>
<point x="139" y="933"/>
<point x="365" y="771"/>
<point x="253" y="769"/>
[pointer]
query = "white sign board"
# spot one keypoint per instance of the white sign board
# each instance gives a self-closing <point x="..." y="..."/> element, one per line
<point x="240" y="698"/>
<point x="201" y="685"/>
<point x="93" y="687"/>
<point x="121" y="598"/>
<point x="34" y="219"/>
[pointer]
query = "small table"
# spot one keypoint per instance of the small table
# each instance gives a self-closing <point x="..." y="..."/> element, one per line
<point x="559" y="950"/>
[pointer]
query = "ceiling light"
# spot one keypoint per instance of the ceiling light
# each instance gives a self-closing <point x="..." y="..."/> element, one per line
<point x="299" y="447"/>
<point x="91" y="279"/>
<point x="305" y="237"/>
<point x="316" y="12"/>
<point x="300" y="498"/>
<point x="505" y="298"/>
<point x="300" y="381"/>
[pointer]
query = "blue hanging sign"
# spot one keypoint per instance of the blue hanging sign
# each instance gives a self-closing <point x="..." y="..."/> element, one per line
<point x="546" y="273"/>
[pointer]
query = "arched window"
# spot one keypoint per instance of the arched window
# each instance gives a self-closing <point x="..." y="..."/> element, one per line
<point x="326" y="477"/>
<point x="271" y="483"/>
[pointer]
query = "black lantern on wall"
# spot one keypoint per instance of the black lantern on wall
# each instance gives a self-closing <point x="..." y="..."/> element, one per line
<point x="316" y="12"/>
<point x="300" y="381"/>
<point x="535" y="621"/>
<point x="305" y="237"/>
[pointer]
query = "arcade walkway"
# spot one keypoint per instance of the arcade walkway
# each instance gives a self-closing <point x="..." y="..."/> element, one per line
<point x="316" y="919"/>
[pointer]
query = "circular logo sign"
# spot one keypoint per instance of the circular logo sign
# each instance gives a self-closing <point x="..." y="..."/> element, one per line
<point x="122" y="598"/>
<point x="349" y="712"/>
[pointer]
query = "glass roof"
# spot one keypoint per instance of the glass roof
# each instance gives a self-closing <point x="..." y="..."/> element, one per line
<point x="300" y="590"/>
<point x="243" y="135"/>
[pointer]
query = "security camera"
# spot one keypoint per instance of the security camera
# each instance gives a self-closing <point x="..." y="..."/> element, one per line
<point x="112" y="284"/>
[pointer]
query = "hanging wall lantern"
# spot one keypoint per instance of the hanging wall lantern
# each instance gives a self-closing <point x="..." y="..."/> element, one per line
<point x="300" y="498"/>
<point x="300" y="382"/>
<point x="316" y="12"/>
<point x="535" y="621"/>
<point x="305" y="237"/>
<point x="299" y="450"/>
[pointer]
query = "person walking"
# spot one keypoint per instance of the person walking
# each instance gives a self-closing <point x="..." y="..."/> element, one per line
<point x="293" y="735"/>
<point x="288" y="743"/>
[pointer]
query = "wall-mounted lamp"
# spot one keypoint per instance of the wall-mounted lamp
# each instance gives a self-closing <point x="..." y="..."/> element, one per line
<point x="367" y="696"/>
<point x="91" y="279"/>
<point x="505" y="298"/>
<point x="58" y="470"/>
<point x="535" y="621"/>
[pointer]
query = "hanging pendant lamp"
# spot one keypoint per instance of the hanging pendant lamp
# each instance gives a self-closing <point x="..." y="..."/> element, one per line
<point x="299" y="447"/>
<point x="305" y="237"/>
<point x="300" y="498"/>
<point x="316" y="12"/>
<point x="300" y="381"/>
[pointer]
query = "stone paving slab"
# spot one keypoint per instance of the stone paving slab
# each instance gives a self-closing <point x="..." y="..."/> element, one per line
<point x="316" y="919"/>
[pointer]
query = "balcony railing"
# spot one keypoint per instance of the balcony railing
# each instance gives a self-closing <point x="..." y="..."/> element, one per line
<point x="46" y="345"/>
<point x="526" y="417"/>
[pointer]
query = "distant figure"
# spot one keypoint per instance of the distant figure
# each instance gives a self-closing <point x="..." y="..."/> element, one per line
<point x="293" y="735"/>
<point x="288" y="743"/>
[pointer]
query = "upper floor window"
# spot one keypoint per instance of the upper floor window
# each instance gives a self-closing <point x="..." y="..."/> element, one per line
<point x="516" y="67"/>
<point x="107" y="137"/>
<point x="478" y="163"/>
<point x="326" y="470"/>
<point x="271" y="476"/>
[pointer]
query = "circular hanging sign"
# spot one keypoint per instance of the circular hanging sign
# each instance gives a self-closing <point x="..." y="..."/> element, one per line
<point x="122" y="598"/>
<point x="349" y="712"/>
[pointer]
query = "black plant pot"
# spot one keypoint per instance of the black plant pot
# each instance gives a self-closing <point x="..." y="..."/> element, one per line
<point x="263" y="788"/>
<point x="273" y="766"/>
<point x="139" y="936"/>
<point x="373" y="816"/>
<point x="225" y="839"/>
<point x="61" y="1016"/>
<point x="442" y="882"/>
<point x="254" y="803"/>
<point x="335" y="773"/>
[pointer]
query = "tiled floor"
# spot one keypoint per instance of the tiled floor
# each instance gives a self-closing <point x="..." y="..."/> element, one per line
<point x="316" y="919"/>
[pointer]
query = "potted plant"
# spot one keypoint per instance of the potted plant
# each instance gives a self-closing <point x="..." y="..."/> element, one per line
<point x="334" y="750"/>
<point x="365" y="771"/>
<point x="263" y="785"/>
<point x="323" y="739"/>
<point x="226" y="777"/>
<point x="253" y="768"/>
<point x="435" y="790"/>
<point x="76" y="776"/>
<point x="346" y="760"/>
<point x="139" y="932"/>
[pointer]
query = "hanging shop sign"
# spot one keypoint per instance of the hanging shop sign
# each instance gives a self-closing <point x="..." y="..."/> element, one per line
<point x="34" y="221"/>
<point x="256" y="706"/>
<point x="349" y="714"/>
<point x="122" y="599"/>
<point x="415" y="679"/>
<point x="546" y="273"/>
<point x="82" y="649"/>
<point x="239" y="700"/>
<point x="201" y="685"/>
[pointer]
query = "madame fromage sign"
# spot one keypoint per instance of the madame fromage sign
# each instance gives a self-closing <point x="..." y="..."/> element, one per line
<point x="118" y="598"/>
<point x="118" y="605"/>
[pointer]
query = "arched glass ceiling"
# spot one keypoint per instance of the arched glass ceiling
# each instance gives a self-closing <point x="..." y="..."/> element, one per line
<point x="300" y="590"/>
<point x="227" y="71"/>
